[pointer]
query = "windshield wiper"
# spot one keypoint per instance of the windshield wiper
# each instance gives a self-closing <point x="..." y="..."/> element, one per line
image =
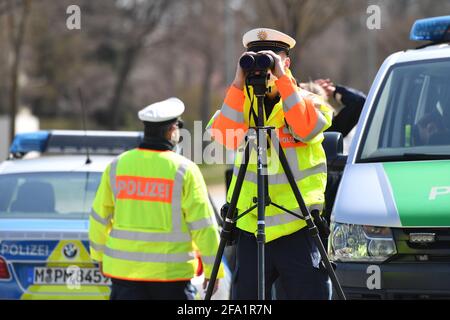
<point x="407" y="156"/>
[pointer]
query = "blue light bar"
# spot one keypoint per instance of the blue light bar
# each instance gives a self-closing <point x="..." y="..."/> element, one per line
<point x="75" y="142"/>
<point x="435" y="29"/>
<point x="27" y="142"/>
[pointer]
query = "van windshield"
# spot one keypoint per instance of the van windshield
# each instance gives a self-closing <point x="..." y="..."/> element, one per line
<point x="52" y="195"/>
<point x="411" y="116"/>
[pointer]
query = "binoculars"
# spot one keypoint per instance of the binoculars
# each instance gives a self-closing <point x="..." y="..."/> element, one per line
<point x="258" y="62"/>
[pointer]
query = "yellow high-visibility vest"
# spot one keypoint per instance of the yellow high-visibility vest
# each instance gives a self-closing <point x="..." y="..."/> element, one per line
<point x="150" y="215"/>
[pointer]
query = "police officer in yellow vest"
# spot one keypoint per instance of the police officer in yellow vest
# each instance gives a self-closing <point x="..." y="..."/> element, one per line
<point x="151" y="213"/>
<point x="299" y="117"/>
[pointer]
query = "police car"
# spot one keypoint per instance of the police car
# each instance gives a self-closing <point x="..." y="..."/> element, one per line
<point x="46" y="191"/>
<point x="390" y="232"/>
<point x="45" y="204"/>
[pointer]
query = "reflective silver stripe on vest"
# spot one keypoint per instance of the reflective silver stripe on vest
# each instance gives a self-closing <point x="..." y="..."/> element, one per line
<point x="201" y="224"/>
<point x="103" y="221"/>
<point x="208" y="259"/>
<point x="284" y="218"/>
<point x="97" y="247"/>
<point x="112" y="176"/>
<point x="236" y="170"/>
<point x="321" y="123"/>
<point x="177" y="193"/>
<point x="281" y="178"/>
<point x="232" y="114"/>
<point x="296" y="98"/>
<point x="148" y="257"/>
<point x="149" y="237"/>
<point x="291" y="101"/>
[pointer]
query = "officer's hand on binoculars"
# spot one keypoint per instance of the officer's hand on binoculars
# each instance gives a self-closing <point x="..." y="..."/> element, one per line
<point x="278" y="70"/>
<point x="239" y="79"/>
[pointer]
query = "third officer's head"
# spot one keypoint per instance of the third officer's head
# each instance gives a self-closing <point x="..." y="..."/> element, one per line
<point x="162" y="120"/>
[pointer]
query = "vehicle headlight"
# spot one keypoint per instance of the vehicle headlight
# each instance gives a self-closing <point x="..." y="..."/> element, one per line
<point x="358" y="243"/>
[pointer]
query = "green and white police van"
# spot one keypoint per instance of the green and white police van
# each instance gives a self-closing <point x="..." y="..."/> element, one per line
<point x="390" y="224"/>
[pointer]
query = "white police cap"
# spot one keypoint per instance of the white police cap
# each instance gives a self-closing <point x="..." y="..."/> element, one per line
<point x="268" y="36"/>
<point x="162" y="111"/>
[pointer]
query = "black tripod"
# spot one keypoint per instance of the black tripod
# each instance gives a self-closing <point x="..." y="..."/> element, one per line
<point x="259" y="82"/>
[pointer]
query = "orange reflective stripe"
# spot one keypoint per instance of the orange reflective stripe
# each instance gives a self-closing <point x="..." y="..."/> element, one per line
<point x="300" y="112"/>
<point x="228" y="132"/>
<point x="320" y="125"/>
<point x="302" y="117"/>
<point x="229" y="128"/>
<point x="235" y="98"/>
<point x="144" y="189"/>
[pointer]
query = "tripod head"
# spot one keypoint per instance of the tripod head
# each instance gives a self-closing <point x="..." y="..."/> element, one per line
<point x="258" y="80"/>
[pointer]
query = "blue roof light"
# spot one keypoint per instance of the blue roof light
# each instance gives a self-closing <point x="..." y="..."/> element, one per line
<point x="75" y="142"/>
<point x="27" y="142"/>
<point x="435" y="29"/>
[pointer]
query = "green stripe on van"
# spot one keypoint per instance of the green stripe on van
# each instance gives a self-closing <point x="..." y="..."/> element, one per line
<point x="421" y="192"/>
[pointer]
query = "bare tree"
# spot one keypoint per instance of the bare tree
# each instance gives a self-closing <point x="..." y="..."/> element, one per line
<point x="142" y="17"/>
<point x="7" y="5"/>
<point x="17" y="27"/>
<point x="205" y="41"/>
<point x="301" y="19"/>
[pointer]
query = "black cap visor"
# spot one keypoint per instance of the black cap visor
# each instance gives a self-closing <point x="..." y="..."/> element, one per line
<point x="275" y="46"/>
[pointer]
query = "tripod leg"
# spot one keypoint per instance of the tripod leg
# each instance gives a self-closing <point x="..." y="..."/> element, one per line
<point x="262" y="203"/>
<point x="310" y="223"/>
<point x="228" y="224"/>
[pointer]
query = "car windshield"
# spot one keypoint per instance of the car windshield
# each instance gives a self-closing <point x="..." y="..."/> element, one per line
<point x="55" y="195"/>
<point x="411" y="116"/>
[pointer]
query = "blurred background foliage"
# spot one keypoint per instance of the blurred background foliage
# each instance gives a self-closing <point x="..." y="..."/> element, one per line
<point x="130" y="53"/>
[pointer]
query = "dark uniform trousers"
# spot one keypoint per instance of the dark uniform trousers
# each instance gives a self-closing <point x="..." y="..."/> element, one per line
<point x="136" y="290"/>
<point x="293" y="261"/>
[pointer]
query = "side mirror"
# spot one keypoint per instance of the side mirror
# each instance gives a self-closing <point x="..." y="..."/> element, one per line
<point x="333" y="145"/>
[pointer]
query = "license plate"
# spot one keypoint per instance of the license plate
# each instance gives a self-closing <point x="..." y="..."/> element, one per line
<point x="69" y="276"/>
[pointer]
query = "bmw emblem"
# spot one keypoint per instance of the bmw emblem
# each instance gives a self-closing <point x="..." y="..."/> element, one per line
<point x="70" y="251"/>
